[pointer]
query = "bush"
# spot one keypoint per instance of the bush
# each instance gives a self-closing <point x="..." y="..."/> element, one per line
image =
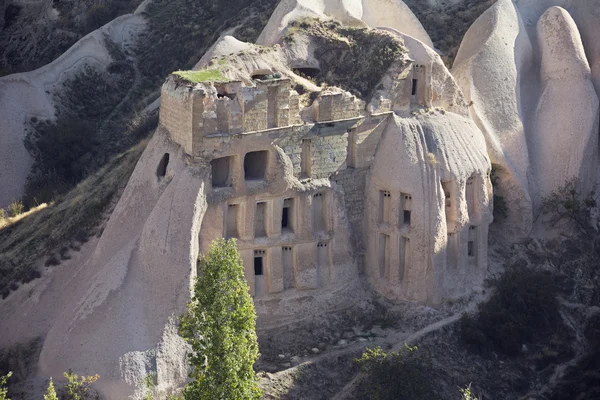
<point x="3" y="389"/>
<point x="522" y="309"/>
<point x="397" y="375"/>
<point x="77" y="387"/>
<point x="50" y="392"/>
<point x="220" y="325"/>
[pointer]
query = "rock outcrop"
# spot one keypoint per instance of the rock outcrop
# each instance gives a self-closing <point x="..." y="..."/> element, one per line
<point x="564" y="135"/>
<point x="374" y="13"/>
<point x="493" y="61"/>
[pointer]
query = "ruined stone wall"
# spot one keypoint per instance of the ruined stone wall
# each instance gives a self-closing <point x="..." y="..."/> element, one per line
<point x="176" y="111"/>
<point x="331" y="106"/>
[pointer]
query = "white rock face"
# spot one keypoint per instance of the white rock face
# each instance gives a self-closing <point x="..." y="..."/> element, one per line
<point x="564" y="141"/>
<point x="587" y="16"/>
<point x="143" y="266"/>
<point x="493" y="60"/>
<point x="30" y="94"/>
<point x="440" y="161"/>
<point x="374" y="13"/>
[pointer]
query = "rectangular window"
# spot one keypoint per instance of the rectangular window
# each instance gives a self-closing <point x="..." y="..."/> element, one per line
<point x="318" y="212"/>
<point x="220" y="171"/>
<point x="406" y="207"/>
<point x="470" y="194"/>
<point x="260" y="220"/>
<point x="255" y="165"/>
<point x="404" y="257"/>
<point x="414" y="87"/>
<point x="287" y="258"/>
<point x="306" y="159"/>
<point x="287" y="216"/>
<point x="323" y="263"/>
<point x="232" y="230"/>
<point x="448" y="187"/>
<point x="472" y="243"/>
<point x="384" y="206"/>
<point x="258" y="265"/>
<point x="452" y="250"/>
<point x="384" y="249"/>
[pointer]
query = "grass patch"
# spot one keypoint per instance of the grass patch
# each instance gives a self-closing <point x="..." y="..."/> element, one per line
<point x="205" y="75"/>
<point x="71" y="219"/>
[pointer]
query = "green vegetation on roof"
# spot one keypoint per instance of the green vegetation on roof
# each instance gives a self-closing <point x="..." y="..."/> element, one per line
<point x="205" y="75"/>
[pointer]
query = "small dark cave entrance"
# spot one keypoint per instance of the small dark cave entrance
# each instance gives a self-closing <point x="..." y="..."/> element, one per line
<point x="161" y="170"/>
<point x="308" y="73"/>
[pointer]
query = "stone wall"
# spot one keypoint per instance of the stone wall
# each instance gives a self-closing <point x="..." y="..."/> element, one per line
<point x="176" y="111"/>
<point x="328" y="154"/>
<point x="331" y="106"/>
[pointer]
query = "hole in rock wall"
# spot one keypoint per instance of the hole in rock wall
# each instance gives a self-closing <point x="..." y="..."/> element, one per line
<point x="220" y="171"/>
<point x="161" y="170"/>
<point x="415" y="83"/>
<point x="287" y="216"/>
<point x="406" y="207"/>
<point x="308" y="73"/>
<point x="231" y="230"/>
<point x="258" y="264"/>
<point x="255" y="165"/>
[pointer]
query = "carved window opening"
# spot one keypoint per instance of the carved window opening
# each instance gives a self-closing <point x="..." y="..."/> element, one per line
<point x="287" y="216"/>
<point x="323" y="262"/>
<point x="232" y="228"/>
<point x="384" y="254"/>
<point x="448" y="188"/>
<point x="306" y="159"/>
<point x="259" y="258"/>
<point x="470" y="195"/>
<point x="406" y="207"/>
<point x="472" y="243"/>
<point x="287" y="257"/>
<point x="385" y="199"/>
<point x="220" y="168"/>
<point x="255" y="165"/>
<point x="319" y="212"/>
<point x="161" y="170"/>
<point x="415" y="82"/>
<point x="452" y="250"/>
<point x="404" y="255"/>
<point x="260" y="220"/>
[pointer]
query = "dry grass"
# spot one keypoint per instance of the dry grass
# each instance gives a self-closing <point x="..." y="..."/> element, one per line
<point x="67" y="222"/>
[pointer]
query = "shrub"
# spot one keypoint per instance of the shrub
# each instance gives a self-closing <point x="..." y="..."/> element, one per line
<point x="77" y="387"/>
<point x="3" y="389"/>
<point x="50" y="392"/>
<point x="523" y="307"/>
<point x="396" y="375"/>
<point x="220" y="325"/>
<point x="16" y="208"/>
<point x="2" y="213"/>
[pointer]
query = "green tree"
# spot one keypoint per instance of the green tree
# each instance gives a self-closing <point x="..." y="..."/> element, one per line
<point x="3" y="389"/>
<point x="220" y="325"/>
<point x="50" y="392"/>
